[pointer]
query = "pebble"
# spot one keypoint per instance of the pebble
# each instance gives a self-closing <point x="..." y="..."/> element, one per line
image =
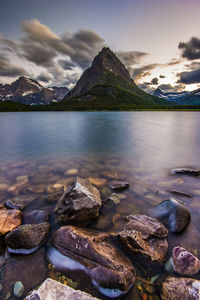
<point x="18" y="289"/>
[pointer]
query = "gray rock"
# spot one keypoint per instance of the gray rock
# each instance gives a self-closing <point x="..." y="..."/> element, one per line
<point x="173" y="214"/>
<point x="51" y="289"/>
<point x="13" y="205"/>
<point x="180" y="289"/>
<point x="27" y="237"/>
<point x="36" y="217"/>
<point x="118" y="185"/>
<point x="79" y="204"/>
<point x="184" y="262"/>
<point x="186" y="171"/>
<point x="145" y="235"/>
<point x="18" y="289"/>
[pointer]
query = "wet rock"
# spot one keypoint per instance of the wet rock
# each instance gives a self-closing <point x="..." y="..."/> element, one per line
<point x="80" y="203"/>
<point x="12" y="205"/>
<point x="51" y="289"/>
<point x="105" y="192"/>
<point x="113" y="175"/>
<point x="27" y="237"/>
<point x="36" y="217"/>
<point x="9" y="219"/>
<point x="22" y="178"/>
<point x="173" y="214"/>
<point x="4" y="187"/>
<point x="113" y="199"/>
<point x="97" y="181"/>
<point x="186" y="171"/>
<point x="184" y="262"/>
<point x="118" y="185"/>
<point x="31" y="270"/>
<point x="145" y="235"/>
<point x="180" y="288"/>
<point x="18" y="289"/>
<point x="106" y="266"/>
<point x="53" y="197"/>
<point x="18" y="187"/>
<point x="71" y="172"/>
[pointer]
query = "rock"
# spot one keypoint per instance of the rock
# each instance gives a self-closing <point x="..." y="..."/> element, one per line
<point x="12" y="205"/>
<point x="180" y="288"/>
<point x="113" y="199"/>
<point x="105" y="192"/>
<point x="173" y="214"/>
<point x="113" y="175"/>
<point x="36" y="217"/>
<point x="9" y="219"/>
<point x="51" y="289"/>
<point x="118" y="185"/>
<point x="18" y="289"/>
<point x="4" y="187"/>
<point x="22" y="178"/>
<point x="71" y="172"/>
<point x="27" y="237"/>
<point x="145" y="235"/>
<point x="30" y="269"/>
<point x="97" y="181"/>
<point x="106" y="266"/>
<point x="80" y="203"/>
<point x="184" y="262"/>
<point x="185" y="171"/>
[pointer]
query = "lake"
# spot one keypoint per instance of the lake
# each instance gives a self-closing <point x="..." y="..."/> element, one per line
<point x="41" y="153"/>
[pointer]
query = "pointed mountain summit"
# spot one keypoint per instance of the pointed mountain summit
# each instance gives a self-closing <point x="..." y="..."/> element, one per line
<point x="108" y="80"/>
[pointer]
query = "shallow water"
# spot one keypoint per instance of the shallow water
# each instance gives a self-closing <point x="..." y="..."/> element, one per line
<point x="38" y="149"/>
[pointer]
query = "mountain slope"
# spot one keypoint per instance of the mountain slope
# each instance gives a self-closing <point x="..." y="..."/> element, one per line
<point x="29" y="91"/>
<point x="113" y="80"/>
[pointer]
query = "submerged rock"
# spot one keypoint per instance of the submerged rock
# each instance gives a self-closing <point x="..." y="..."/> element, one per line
<point x="51" y="289"/>
<point x="9" y="219"/>
<point x="106" y="266"/>
<point x="118" y="185"/>
<point x="184" y="262"/>
<point x="36" y="217"/>
<point x="186" y="171"/>
<point x="145" y="235"/>
<point x="173" y="214"/>
<point x="18" y="289"/>
<point x="12" y="205"/>
<point x="180" y="288"/>
<point x="27" y="237"/>
<point x="80" y="203"/>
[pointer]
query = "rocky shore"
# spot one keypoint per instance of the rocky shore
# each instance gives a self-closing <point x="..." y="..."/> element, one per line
<point x="64" y="238"/>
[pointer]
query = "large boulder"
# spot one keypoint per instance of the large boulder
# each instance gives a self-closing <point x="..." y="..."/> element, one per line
<point x="106" y="266"/>
<point x="184" y="262"/>
<point x="180" y="289"/>
<point x="28" y="237"/>
<point x="51" y="289"/>
<point x="173" y="214"/>
<point x="9" y="219"/>
<point x="79" y="204"/>
<point x="145" y="235"/>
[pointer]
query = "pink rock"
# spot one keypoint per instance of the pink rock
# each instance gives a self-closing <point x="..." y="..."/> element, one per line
<point x="184" y="262"/>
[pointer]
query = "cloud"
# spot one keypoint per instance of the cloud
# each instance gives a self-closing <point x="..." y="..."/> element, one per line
<point x="9" y="69"/>
<point x="154" y="81"/>
<point x="190" y="49"/>
<point x="44" y="77"/>
<point x="190" y="77"/>
<point x="130" y="58"/>
<point x="168" y="88"/>
<point x="141" y="72"/>
<point x="66" y="64"/>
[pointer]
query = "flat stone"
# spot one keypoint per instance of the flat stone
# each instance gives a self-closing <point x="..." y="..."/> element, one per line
<point x="97" y="181"/>
<point x="145" y="235"/>
<point x="51" y="289"/>
<point x="71" y="172"/>
<point x="118" y="185"/>
<point x="12" y="205"/>
<point x="184" y="262"/>
<point x="28" y="236"/>
<point x="113" y="199"/>
<point x="36" y="217"/>
<point x="185" y="171"/>
<point x="79" y="204"/>
<point x="106" y="266"/>
<point x="180" y="288"/>
<point x="9" y="219"/>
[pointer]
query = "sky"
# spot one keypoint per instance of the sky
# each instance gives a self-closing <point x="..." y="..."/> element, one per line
<point x="55" y="41"/>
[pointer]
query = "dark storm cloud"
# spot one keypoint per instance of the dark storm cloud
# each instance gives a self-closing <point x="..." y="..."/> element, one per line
<point x="154" y="81"/>
<point x="168" y="88"/>
<point x="191" y="49"/>
<point x="44" y="77"/>
<point x="9" y="69"/>
<point x="138" y="73"/>
<point x="66" y="65"/>
<point x="190" y="77"/>
<point x="130" y="58"/>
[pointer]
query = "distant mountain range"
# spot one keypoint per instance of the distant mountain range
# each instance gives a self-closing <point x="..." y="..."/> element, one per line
<point x="29" y="91"/>
<point x="107" y="80"/>
<point x="184" y="98"/>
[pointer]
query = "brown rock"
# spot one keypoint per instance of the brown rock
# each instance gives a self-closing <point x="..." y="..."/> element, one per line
<point x="104" y="263"/>
<point x="145" y="235"/>
<point x="80" y="203"/>
<point x="97" y="181"/>
<point x="180" y="289"/>
<point x="9" y="219"/>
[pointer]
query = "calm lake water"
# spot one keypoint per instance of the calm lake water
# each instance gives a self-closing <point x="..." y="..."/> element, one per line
<point x="41" y="152"/>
